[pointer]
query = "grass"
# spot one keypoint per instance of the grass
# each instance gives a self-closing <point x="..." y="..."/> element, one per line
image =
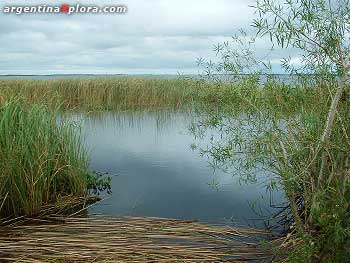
<point x="41" y="160"/>
<point x="127" y="93"/>
<point x="102" y="93"/>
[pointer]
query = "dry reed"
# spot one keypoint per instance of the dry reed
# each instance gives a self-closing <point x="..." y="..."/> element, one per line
<point x="128" y="239"/>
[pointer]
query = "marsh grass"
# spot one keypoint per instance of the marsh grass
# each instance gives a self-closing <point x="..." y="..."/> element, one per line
<point x="41" y="159"/>
<point x="102" y="93"/>
<point x="130" y="93"/>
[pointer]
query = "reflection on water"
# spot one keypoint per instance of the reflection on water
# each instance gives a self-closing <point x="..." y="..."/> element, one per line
<point x="155" y="172"/>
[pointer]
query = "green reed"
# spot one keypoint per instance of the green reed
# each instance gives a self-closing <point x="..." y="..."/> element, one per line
<point x="124" y="93"/>
<point x="41" y="159"/>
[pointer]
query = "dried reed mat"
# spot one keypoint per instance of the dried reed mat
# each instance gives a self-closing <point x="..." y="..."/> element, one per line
<point x="128" y="239"/>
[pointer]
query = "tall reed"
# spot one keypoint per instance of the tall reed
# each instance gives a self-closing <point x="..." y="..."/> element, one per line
<point x="102" y="93"/>
<point x="41" y="159"/>
<point x="154" y="93"/>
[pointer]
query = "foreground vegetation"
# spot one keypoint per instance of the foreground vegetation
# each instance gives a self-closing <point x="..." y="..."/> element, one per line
<point x="308" y="153"/>
<point x="42" y="161"/>
<point x="130" y="239"/>
<point x="285" y="146"/>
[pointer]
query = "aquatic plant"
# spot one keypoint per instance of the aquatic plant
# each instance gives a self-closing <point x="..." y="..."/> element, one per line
<point x="130" y="93"/>
<point x="41" y="159"/>
<point x="102" y="93"/>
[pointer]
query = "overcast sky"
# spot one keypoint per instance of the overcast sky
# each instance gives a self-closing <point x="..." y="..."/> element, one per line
<point x="153" y="37"/>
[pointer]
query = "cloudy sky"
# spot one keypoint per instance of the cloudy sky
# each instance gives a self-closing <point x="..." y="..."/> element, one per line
<point x="153" y="37"/>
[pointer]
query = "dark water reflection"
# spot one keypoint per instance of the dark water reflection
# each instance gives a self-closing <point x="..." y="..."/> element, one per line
<point x="156" y="173"/>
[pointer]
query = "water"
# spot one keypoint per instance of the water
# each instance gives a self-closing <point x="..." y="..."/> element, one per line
<point x="156" y="173"/>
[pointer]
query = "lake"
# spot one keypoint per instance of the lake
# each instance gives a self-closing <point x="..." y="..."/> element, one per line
<point x="156" y="173"/>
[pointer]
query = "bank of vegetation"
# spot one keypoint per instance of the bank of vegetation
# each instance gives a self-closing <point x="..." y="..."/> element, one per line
<point x="130" y="93"/>
<point x="299" y="132"/>
<point x="43" y="164"/>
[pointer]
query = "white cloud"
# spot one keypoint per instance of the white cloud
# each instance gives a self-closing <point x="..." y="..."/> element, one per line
<point x="158" y="36"/>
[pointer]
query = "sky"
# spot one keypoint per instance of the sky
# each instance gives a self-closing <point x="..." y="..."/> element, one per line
<point x="152" y="37"/>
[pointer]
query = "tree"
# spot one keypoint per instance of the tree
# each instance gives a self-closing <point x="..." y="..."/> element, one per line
<point x="321" y="29"/>
<point x="310" y="152"/>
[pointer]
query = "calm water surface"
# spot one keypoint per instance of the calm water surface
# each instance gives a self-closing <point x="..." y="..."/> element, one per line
<point x="156" y="173"/>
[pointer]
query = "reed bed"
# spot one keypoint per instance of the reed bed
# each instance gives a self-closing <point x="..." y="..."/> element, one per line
<point x="125" y="93"/>
<point x="41" y="160"/>
<point x="102" y="93"/>
<point x="129" y="239"/>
